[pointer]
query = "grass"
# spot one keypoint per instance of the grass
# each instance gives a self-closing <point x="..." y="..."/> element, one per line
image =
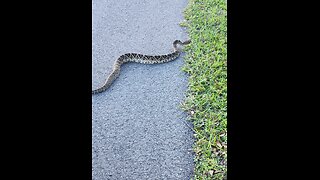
<point x="206" y="101"/>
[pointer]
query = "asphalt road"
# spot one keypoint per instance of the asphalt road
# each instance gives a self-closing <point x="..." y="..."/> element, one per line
<point x="138" y="129"/>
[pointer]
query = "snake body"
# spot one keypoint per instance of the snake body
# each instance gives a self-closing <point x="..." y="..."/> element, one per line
<point x="139" y="58"/>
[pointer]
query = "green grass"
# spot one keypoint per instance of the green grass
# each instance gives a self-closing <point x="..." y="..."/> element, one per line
<point x="206" y="102"/>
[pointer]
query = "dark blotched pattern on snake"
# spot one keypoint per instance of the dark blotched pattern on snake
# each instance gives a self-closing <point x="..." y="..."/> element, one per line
<point x="139" y="58"/>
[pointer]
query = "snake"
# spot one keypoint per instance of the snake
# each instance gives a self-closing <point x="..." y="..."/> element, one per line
<point x="140" y="58"/>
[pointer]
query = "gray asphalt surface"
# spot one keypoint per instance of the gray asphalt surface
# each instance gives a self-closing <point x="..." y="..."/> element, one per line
<point x="138" y="129"/>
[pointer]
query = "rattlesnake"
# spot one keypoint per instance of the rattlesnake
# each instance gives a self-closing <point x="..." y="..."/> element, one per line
<point x="139" y="58"/>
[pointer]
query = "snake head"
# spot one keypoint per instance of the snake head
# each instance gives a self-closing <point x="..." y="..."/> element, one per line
<point x="176" y="42"/>
<point x="187" y="42"/>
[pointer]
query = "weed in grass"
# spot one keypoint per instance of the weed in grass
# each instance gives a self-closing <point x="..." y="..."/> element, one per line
<point x="206" y="101"/>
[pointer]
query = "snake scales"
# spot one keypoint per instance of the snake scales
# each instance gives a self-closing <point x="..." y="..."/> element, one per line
<point x="139" y="58"/>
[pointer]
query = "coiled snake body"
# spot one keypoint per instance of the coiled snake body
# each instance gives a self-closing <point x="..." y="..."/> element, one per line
<point x="139" y="58"/>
